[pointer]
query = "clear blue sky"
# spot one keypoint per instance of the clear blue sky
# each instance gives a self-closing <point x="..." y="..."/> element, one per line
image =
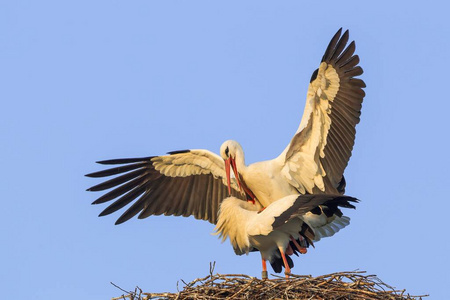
<point x="89" y="80"/>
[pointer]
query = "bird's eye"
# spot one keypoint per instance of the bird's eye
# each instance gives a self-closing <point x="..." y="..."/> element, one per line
<point x="227" y="151"/>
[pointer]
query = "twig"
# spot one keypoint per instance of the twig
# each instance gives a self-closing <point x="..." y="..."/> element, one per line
<point x="340" y="285"/>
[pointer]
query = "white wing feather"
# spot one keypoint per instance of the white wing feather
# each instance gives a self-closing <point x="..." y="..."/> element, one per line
<point x="194" y="162"/>
<point x="303" y="168"/>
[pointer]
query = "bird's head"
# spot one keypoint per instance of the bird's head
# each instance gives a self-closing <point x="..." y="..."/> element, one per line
<point x="229" y="151"/>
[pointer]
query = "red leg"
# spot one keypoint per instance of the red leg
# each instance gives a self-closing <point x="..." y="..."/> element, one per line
<point x="287" y="270"/>
<point x="264" y="271"/>
<point x="302" y="250"/>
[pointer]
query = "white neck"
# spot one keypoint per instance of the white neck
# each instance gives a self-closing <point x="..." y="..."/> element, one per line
<point x="240" y="161"/>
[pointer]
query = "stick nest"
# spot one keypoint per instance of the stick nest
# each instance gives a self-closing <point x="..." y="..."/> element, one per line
<point x="340" y="285"/>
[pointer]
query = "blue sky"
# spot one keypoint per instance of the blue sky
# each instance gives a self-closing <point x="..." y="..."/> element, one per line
<point x="83" y="81"/>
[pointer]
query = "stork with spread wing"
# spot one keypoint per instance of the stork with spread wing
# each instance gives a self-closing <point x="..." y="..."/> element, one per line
<point x="195" y="182"/>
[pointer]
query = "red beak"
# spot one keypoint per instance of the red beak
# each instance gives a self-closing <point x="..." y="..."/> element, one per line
<point x="231" y="162"/>
<point x="236" y="173"/>
<point x="227" y="170"/>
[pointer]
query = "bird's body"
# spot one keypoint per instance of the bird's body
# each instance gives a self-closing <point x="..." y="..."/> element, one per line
<point x="263" y="178"/>
<point x="271" y="231"/>
<point x="195" y="182"/>
<point x="248" y="228"/>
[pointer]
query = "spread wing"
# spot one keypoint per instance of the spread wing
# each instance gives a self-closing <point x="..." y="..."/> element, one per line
<point x="315" y="160"/>
<point x="183" y="183"/>
<point x="320" y="216"/>
<point x="321" y="213"/>
<point x="323" y="204"/>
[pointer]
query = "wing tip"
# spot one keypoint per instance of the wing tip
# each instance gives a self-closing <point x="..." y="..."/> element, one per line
<point x="122" y="219"/>
<point x="334" y="43"/>
<point x="118" y="161"/>
<point x="178" y="152"/>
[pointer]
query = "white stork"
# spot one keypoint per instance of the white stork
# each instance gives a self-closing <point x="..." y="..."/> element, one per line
<point x="195" y="182"/>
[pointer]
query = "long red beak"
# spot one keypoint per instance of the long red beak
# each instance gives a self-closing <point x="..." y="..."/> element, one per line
<point x="231" y="162"/>
<point x="227" y="170"/>
<point x="236" y="173"/>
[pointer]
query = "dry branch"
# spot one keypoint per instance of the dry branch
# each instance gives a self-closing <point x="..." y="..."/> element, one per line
<point x="341" y="285"/>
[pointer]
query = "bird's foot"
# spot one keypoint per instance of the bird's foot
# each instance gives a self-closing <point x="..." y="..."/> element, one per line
<point x="301" y="249"/>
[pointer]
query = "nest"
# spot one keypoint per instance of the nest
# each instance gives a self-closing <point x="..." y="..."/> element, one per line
<point x="340" y="285"/>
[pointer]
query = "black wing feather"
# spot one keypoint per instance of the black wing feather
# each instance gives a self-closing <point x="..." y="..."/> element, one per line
<point x="153" y="193"/>
<point x="315" y="203"/>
